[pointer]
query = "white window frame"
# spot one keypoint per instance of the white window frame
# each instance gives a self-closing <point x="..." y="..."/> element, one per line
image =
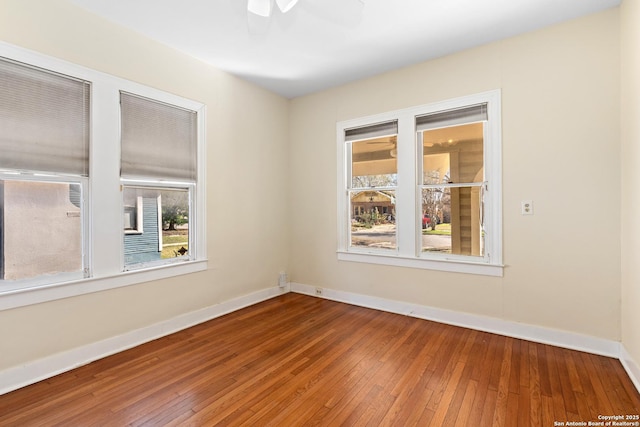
<point x="102" y="196"/>
<point x="408" y="207"/>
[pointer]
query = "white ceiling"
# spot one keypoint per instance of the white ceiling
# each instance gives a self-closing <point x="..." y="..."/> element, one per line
<point x="325" y="43"/>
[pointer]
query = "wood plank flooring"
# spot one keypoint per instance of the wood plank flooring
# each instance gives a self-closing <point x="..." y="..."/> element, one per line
<point x="297" y="360"/>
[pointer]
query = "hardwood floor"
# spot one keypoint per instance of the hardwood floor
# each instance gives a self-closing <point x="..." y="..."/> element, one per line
<point x="298" y="360"/>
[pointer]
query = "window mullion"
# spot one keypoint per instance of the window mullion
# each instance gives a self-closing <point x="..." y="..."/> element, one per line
<point x="104" y="171"/>
<point x="406" y="194"/>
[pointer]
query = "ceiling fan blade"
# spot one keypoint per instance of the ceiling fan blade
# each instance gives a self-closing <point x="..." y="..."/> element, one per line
<point x="286" y="5"/>
<point x="259" y="7"/>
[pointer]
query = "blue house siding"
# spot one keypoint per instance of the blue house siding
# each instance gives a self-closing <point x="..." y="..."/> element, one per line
<point x="144" y="247"/>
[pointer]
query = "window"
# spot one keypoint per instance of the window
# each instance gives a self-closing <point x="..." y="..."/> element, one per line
<point x="372" y="185"/>
<point x="158" y="172"/>
<point x="421" y="187"/>
<point x="44" y="140"/>
<point x="98" y="176"/>
<point x="452" y="180"/>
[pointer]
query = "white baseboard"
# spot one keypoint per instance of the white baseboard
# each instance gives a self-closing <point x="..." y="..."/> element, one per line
<point x="630" y="365"/>
<point x="32" y="372"/>
<point x="538" y="334"/>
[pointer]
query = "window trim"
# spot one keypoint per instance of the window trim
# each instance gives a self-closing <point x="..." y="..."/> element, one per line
<point x="104" y="246"/>
<point x="408" y="219"/>
<point x="38" y="293"/>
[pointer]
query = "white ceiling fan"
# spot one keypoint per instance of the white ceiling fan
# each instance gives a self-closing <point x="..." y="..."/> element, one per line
<point x="263" y="7"/>
<point x="345" y="13"/>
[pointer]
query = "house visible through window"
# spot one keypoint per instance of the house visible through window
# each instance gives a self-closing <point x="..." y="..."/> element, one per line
<point x="163" y="225"/>
<point x="41" y="229"/>
<point x="421" y="187"/>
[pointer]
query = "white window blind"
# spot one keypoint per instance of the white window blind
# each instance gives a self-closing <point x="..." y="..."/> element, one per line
<point x="158" y="140"/>
<point x="459" y="116"/>
<point x="377" y="130"/>
<point x="44" y="120"/>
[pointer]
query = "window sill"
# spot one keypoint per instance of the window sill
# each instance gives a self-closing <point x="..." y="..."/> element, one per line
<point x="36" y="294"/>
<point x="453" y="266"/>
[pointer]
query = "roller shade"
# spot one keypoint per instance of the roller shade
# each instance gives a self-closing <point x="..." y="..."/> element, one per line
<point x="44" y="120"/>
<point x="373" y="131"/>
<point x="474" y="113"/>
<point x="158" y="140"/>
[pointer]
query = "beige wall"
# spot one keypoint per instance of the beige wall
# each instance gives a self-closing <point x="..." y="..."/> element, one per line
<point x="560" y="111"/>
<point x="250" y="160"/>
<point x="630" y="17"/>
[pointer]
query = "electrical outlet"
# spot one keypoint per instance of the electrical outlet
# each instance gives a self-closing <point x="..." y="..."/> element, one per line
<point x="282" y="279"/>
<point x="319" y="291"/>
<point x="526" y="207"/>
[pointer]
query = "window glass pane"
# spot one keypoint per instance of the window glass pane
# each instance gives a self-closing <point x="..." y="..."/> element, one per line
<point x="40" y="229"/>
<point x="452" y="220"/>
<point x="373" y="219"/>
<point x="373" y="162"/>
<point x="156" y="224"/>
<point x="453" y="154"/>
